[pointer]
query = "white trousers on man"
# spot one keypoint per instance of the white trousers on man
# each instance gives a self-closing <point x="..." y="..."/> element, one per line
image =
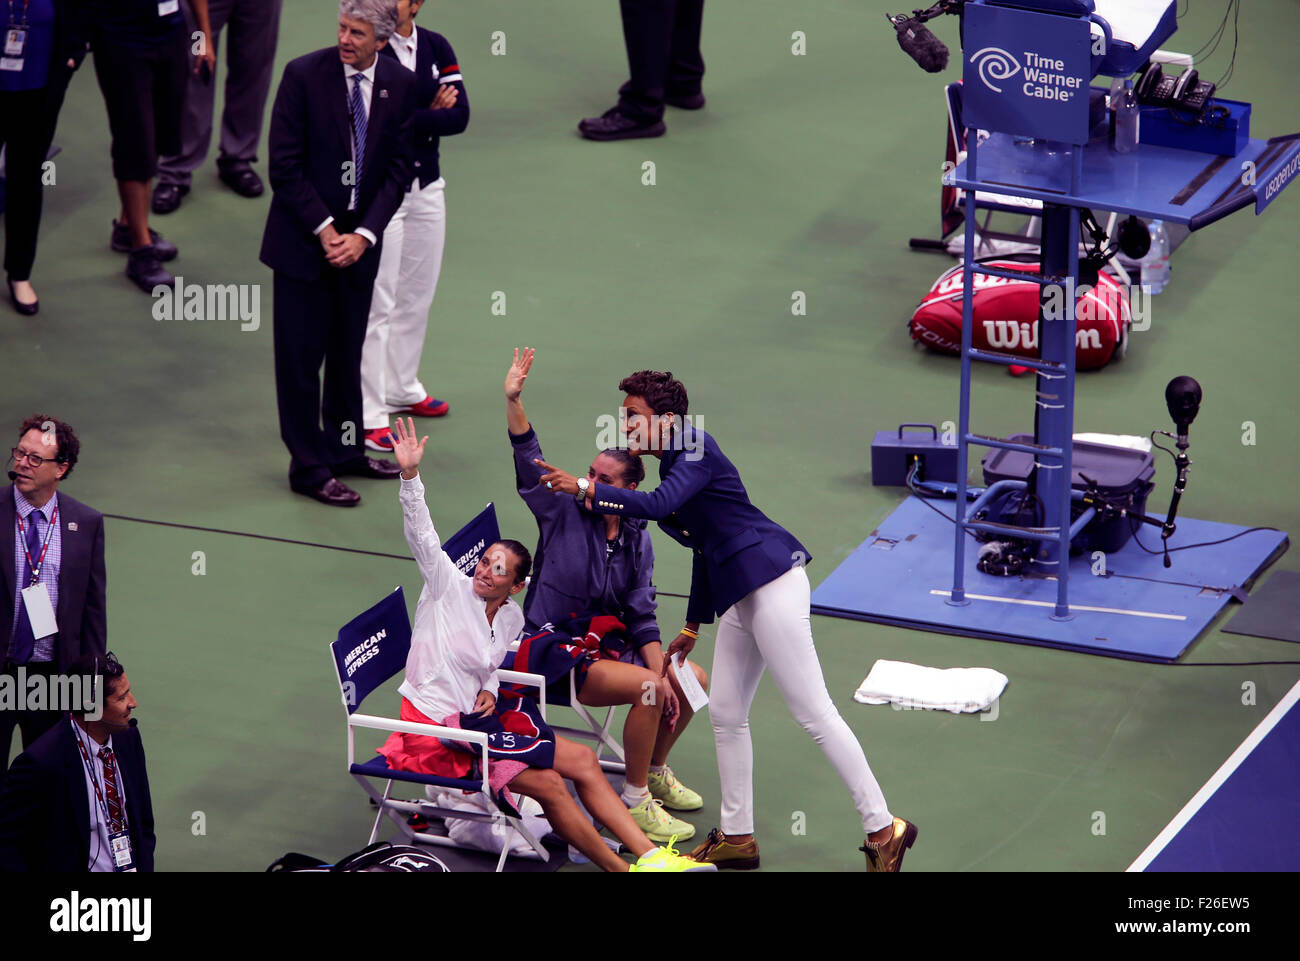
<point x="771" y="628"/>
<point x="409" y="264"/>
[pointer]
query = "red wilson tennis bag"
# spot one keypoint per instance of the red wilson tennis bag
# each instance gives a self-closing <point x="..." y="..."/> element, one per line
<point x="1005" y="315"/>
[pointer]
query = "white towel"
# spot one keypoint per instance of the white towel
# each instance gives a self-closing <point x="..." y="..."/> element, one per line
<point x="956" y="689"/>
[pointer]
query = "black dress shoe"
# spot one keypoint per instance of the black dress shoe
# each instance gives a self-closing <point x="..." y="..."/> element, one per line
<point x="27" y="310"/>
<point x="690" y="101"/>
<point x="121" y="242"/>
<point x="241" y="179"/>
<point x="167" y="197"/>
<point x="613" y="124"/>
<point x="375" y="468"/>
<point x="333" y="492"/>
<point x="146" y="271"/>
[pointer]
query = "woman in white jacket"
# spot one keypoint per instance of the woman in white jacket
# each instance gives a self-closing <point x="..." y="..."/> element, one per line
<point x="463" y="628"/>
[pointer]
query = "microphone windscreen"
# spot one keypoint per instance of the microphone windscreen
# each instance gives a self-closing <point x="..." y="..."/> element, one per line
<point x="13" y="476"/>
<point x="921" y="45"/>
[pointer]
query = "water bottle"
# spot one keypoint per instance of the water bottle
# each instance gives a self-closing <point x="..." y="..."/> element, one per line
<point x="1155" y="265"/>
<point x="1126" y="120"/>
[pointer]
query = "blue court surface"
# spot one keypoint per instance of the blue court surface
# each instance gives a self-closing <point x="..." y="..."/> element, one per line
<point x="902" y="574"/>
<point x="1247" y="816"/>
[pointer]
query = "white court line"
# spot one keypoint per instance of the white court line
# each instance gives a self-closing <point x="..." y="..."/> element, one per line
<point x="1214" y="783"/>
<point x="1073" y="607"/>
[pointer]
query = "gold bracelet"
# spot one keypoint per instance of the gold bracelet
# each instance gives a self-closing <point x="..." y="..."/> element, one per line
<point x="691" y="634"/>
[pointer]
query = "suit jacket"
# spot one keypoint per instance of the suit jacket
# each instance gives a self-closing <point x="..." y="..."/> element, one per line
<point x="435" y="65"/>
<point x="309" y="144"/>
<point x="81" y="615"/>
<point x="701" y="503"/>
<point x="45" y="810"/>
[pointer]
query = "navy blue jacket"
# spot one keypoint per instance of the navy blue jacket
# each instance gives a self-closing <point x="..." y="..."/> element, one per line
<point x="435" y="64"/>
<point x="572" y="572"/>
<point x="309" y="143"/>
<point x="45" y="812"/>
<point x="701" y="503"/>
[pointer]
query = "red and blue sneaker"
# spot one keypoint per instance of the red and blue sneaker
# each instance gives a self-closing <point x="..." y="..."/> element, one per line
<point x="429" y="407"/>
<point x="381" y="438"/>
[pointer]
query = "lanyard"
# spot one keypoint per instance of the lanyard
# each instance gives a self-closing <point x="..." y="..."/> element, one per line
<point x="49" y="535"/>
<point x="94" y="782"/>
<point x="23" y="22"/>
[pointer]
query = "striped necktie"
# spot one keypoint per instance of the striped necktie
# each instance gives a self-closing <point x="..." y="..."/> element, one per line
<point x="24" y="639"/>
<point x="112" y="797"/>
<point x="357" y="108"/>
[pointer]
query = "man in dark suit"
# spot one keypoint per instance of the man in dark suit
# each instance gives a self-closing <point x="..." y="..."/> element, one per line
<point x="339" y="165"/>
<point x="78" y="799"/>
<point x="51" y="548"/>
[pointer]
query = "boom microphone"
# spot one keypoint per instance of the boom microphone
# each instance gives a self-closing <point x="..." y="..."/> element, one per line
<point x="916" y="40"/>
<point x="13" y="476"/>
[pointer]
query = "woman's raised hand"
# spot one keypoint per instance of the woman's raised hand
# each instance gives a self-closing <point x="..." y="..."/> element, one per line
<point x="408" y="450"/>
<point x="518" y="373"/>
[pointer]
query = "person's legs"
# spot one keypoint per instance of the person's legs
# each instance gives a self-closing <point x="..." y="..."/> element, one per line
<point x="426" y="233"/>
<point x="341" y="398"/>
<point x="685" y="62"/>
<point x="299" y="334"/>
<point x="668" y="736"/>
<point x="737" y="669"/>
<point x="647" y="35"/>
<point x="782" y="631"/>
<point x="547" y="788"/>
<point x="383" y="303"/>
<point x="21" y="123"/>
<point x="196" y="117"/>
<point x="611" y="683"/>
<point x="578" y="764"/>
<point x="251" y="39"/>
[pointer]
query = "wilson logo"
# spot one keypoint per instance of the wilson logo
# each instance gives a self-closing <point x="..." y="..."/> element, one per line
<point x="994" y="63"/>
<point x="1010" y="334"/>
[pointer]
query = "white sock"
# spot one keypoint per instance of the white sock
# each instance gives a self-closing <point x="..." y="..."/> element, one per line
<point x="658" y="768"/>
<point x="635" y="796"/>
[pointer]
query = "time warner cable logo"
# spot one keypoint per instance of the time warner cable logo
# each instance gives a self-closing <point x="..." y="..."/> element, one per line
<point x="995" y="63"/>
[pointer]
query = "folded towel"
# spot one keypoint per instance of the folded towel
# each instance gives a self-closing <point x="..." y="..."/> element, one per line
<point x="957" y="689"/>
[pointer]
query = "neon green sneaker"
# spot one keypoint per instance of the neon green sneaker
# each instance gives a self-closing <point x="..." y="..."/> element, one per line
<point x="668" y="859"/>
<point x="673" y="793"/>
<point x="658" y="824"/>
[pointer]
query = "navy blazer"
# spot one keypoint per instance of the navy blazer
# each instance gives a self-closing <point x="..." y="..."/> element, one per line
<point x="81" y="616"/>
<point x="310" y="142"/>
<point x="701" y="503"/>
<point x="435" y="65"/>
<point x="45" y="810"/>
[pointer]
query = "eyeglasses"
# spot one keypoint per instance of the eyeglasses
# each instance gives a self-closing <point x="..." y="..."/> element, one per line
<point x="35" y="460"/>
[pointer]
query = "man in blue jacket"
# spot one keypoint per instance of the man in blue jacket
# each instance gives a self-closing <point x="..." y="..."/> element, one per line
<point x="588" y="564"/>
<point x="750" y="571"/>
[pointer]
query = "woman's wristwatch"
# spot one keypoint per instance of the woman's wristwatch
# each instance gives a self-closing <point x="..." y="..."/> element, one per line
<point x="583" y="486"/>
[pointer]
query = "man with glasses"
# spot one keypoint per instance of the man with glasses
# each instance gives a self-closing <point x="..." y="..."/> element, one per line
<point x="52" y="607"/>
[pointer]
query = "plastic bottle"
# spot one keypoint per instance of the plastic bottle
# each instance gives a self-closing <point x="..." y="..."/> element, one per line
<point x="1126" y="120"/>
<point x="1155" y="265"/>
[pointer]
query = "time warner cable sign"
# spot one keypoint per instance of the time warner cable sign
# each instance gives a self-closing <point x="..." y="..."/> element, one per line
<point x="1026" y="73"/>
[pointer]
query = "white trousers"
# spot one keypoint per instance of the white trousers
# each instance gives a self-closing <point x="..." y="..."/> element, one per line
<point x="409" y="264"/>
<point x="772" y="628"/>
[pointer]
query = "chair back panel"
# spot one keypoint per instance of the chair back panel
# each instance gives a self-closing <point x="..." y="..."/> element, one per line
<point x="467" y="544"/>
<point x="371" y="648"/>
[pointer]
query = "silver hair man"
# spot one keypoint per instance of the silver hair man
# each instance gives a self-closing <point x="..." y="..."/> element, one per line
<point x="380" y="14"/>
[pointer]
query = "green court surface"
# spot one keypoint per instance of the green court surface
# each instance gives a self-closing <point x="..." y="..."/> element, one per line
<point x="805" y="173"/>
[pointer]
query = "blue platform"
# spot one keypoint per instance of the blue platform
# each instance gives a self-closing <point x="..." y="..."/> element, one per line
<point x="902" y="575"/>
<point x="1259" y="785"/>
